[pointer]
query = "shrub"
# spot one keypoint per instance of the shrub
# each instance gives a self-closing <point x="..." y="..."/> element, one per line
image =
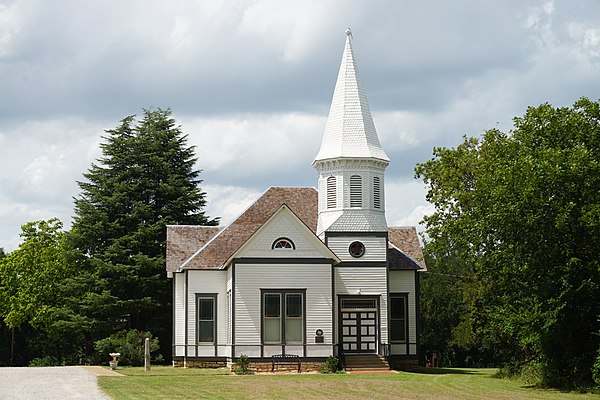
<point x="243" y="365"/>
<point x="596" y="369"/>
<point x="332" y="365"/>
<point x="130" y="343"/>
<point x="44" y="362"/>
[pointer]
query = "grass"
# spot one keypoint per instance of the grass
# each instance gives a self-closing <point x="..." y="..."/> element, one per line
<point x="178" y="383"/>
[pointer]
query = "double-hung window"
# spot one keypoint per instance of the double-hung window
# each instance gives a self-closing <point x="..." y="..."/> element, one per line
<point x="206" y="310"/>
<point x="283" y="316"/>
<point x="398" y="309"/>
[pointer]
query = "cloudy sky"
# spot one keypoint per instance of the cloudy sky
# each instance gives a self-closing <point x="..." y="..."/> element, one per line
<point x="250" y="82"/>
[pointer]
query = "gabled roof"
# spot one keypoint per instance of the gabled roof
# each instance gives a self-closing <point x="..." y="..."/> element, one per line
<point x="404" y="249"/>
<point x="283" y="210"/>
<point x="208" y="247"/>
<point x="215" y="253"/>
<point x="350" y="131"/>
<point x="184" y="240"/>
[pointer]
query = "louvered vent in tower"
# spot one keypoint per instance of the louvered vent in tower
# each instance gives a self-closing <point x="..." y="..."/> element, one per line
<point x="355" y="191"/>
<point x="376" y="192"/>
<point x="331" y="192"/>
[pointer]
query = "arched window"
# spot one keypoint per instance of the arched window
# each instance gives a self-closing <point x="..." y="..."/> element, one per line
<point x="355" y="191"/>
<point x="283" y="243"/>
<point x="376" y="192"/>
<point x="331" y="192"/>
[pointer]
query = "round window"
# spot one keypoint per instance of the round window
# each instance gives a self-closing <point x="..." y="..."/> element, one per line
<point x="357" y="249"/>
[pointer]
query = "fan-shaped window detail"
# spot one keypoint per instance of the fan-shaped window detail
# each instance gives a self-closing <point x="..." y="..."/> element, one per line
<point x="355" y="191"/>
<point x="331" y="192"/>
<point x="283" y="243"/>
<point x="376" y="192"/>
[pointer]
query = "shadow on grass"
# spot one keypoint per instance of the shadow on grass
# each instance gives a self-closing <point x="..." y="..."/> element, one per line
<point x="447" y="371"/>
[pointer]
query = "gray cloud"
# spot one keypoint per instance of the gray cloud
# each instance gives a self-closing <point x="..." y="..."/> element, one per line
<point x="251" y="82"/>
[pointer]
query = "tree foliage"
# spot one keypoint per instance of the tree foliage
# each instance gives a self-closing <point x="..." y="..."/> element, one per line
<point x="521" y="211"/>
<point x="130" y="344"/>
<point x="146" y="179"/>
<point x="30" y="275"/>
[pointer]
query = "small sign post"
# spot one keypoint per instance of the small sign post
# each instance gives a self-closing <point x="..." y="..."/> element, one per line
<point x="147" y="354"/>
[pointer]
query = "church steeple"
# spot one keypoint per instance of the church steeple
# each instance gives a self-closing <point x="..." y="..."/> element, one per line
<point x="351" y="162"/>
<point x="350" y="131"/>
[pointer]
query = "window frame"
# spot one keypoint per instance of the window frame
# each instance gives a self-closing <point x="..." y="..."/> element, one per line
<point x="206" y="296"/>
<point x="283" y="315"/>
<point x="391" y="318"/>
<point x="281" y="239"/>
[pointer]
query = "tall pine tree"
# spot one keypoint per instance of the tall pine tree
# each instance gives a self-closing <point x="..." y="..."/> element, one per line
<point x="144" y="180"/>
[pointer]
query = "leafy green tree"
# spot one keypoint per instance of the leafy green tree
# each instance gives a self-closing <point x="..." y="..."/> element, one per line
<point x="30" y="278"/>
<point x="522" y="210"/>
<point x="144" y="180"/>
<point x="30" y="275"/>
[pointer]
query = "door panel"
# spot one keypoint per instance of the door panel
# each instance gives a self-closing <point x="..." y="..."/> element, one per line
<point x="359" y="333"/>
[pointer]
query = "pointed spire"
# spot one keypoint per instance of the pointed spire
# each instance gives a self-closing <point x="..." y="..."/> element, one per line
<point x="350" y="131"/>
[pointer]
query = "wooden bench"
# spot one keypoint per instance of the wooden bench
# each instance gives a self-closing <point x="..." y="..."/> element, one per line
<point x="285" y="359"/>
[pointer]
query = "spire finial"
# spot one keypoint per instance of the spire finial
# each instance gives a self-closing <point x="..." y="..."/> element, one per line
<point x="349" y="32"/>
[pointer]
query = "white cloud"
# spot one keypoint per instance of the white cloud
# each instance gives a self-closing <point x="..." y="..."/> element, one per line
<point x="254" y="144"/>
<point x="228" y="202"/>
<point x="39" y="168"/>
<point x="586" y="40"/>
<point x="9" y="28"/>
<point x="251" y="82"/>
<point x="405" y="202"/>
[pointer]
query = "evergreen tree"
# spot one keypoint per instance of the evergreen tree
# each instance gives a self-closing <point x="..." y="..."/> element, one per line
<point x="144" y="180"/>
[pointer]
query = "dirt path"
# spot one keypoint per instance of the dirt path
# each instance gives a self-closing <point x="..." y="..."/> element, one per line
<point x="50" y="383"/>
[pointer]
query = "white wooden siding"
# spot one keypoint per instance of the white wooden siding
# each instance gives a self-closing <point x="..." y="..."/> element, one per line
<point x="404" y="282"/>
<point x="179" y="313"/>
<point x="207" y="281"/>
<point x="370" y="281"/>
<point x="251" y="278"/>
<point x="284" y="224"/>
<point x="375" y="248"/>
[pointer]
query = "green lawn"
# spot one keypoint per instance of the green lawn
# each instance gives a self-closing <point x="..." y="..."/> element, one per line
<point x="177" y="383"/>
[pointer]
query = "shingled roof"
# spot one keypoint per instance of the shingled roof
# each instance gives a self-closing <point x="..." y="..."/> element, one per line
<point x="208" y="247"/>
<point x="404" y="249"/>
<point x="213" y="254"/>
<point x="184" y="240"/>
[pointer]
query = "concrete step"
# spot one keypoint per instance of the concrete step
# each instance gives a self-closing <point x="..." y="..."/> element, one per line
<point x="366" y="362"/>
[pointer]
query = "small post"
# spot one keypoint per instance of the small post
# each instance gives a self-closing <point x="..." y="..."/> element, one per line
<point x="147" y="354"/>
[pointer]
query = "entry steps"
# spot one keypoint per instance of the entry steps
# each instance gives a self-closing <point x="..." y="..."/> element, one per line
<point x="366" y="362"/>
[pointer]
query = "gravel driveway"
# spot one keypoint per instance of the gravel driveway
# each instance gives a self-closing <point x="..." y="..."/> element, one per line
<point x="49" y="383"/>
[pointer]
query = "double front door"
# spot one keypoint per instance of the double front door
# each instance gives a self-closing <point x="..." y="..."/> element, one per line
<point x="358" y="325"/>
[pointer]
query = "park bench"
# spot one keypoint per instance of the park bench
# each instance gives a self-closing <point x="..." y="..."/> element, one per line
<point x="285" y="359"/>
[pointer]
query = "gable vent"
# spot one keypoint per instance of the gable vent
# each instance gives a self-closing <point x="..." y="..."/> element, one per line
<point x="355" y="191"/>
<point x="331" y="191"/>
<point x="376" y="192"/>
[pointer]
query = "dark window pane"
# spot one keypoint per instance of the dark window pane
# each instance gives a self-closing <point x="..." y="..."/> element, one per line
<point x="397" y="330"/>
<point x="397" y="307"/>
<point x="272" y="305"/>
<point x="293" y="305"/>
<point x="206" y="331"/>
<point x="206" y="309"/>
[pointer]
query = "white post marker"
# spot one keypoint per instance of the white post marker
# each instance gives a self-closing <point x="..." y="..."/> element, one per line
<point x="147" y="354"/>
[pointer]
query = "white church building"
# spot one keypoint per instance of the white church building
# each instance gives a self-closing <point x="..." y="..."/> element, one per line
<point x="305" y="273"/>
